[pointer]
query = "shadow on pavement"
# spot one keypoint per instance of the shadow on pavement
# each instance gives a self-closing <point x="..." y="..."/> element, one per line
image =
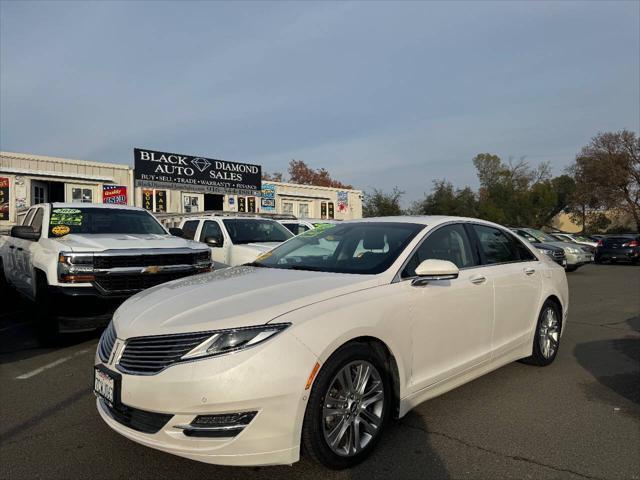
<point x="19" y="337"/>
<point x="615" y="364"/>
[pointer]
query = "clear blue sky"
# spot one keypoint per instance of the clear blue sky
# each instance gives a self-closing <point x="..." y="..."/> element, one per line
<point x="380" y="94"/>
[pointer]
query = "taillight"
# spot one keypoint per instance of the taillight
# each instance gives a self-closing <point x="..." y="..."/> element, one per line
<point x="599" y="243"/>
<point x="632" y="243"/>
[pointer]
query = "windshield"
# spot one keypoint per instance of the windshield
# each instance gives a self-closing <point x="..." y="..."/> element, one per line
<point x="256" y="231"/>
<point x="365" y="248"/>
<point x="64" y="221"/>
<point x="540" y="236"/>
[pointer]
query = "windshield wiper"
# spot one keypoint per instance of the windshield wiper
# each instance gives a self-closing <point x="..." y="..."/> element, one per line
<point x="256" y="264"/>
<point x="301" y="267"/>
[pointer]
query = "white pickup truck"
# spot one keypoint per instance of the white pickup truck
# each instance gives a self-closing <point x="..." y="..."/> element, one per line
<point x="235" y="240"/>
<point x="78" y="262"/>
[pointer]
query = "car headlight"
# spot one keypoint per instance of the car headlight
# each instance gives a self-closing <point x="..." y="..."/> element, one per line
<point x="572" y="250"/>
<point x="75" y="267"/>
<point x="546" y="251"/>
<point x="232" y="340"/>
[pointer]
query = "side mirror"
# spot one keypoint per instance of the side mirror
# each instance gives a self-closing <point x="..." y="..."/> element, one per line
<point x="433" y="270"/>
<point x="24" y="232"/>
<point x="176" y="232"/>
<point x="214" y="242"/>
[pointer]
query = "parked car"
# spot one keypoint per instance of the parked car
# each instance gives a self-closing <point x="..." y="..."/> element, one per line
<point x="235" y="240"/>
<point x="78" y="262"/>
<point x="247" y="365"/>
<point x="619" y="248"/>
<point x="579" y="239"/>
<point x="576" y="256"/>
<point x="300" y="226"/>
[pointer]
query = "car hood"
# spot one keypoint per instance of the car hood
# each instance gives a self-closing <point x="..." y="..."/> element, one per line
<point x="258" y="247"/>
<point x="117" y="241"/>
<point x="564" y="245"/>
<point x="234" y="297"/>
<point x="546" y="245"/>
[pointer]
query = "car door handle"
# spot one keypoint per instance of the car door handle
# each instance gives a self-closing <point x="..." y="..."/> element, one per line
<point x="529" y="271"/>
<point x="478" y="279"/>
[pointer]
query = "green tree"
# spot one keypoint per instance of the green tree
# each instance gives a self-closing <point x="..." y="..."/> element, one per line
<point x="381" y="204"/>
<point x="445" y="200"/>
<point x="607" y="173"/>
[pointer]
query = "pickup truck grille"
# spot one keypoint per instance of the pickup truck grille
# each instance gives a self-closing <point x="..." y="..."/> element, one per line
<point x="109" y="261"/>
<point x="114" y="283"/>
<point x="150" y="355"/>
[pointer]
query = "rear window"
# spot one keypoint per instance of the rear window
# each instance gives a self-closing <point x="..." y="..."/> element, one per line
<point x="618" y="240"/>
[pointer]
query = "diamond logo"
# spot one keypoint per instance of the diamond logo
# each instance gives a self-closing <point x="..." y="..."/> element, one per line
<point x="201" y="164"/>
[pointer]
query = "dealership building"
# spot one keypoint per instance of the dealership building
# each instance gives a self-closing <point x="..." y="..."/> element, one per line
<point x="27" y="179"/>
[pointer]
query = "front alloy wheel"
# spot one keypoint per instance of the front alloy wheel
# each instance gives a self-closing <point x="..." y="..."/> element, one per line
<point x="348" y="407"/>
<point x="352" y="411"/>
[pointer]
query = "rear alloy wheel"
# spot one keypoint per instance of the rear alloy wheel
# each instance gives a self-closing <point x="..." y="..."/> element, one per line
<point x="547" y="338"/>
<point x="347" y="407"/>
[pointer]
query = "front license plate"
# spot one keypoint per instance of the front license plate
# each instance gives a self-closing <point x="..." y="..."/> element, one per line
<point x="564" y="263"/>
<point x="104" y="385"/>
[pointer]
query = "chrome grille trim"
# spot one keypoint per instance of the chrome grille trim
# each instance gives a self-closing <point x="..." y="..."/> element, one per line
<point x="107" y="341"/>
<point x="151" y="355"/>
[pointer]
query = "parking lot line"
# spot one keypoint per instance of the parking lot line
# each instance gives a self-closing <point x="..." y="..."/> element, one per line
<point x="37" y="371"/>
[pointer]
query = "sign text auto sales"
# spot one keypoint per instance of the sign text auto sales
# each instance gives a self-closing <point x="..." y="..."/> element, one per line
<point x="199" y="174"/>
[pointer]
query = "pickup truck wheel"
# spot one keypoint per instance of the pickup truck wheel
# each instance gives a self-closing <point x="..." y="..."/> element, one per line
<point x="47" y="325"/>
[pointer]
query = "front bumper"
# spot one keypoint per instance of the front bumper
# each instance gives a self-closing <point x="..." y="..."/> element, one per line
<point x="578" y="259"/>
<point x="82" y="308"/>
<point x="269" y="379"/>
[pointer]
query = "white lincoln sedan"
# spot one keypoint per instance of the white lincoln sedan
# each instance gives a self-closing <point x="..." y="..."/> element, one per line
<point x="321" y="341"/>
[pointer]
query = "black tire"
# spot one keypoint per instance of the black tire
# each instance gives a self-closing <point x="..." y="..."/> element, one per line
<point x="46" y="324"/>
<point x="572" y="269"/>
<point x="539" y="357"/>
<point x="313" y="430"/>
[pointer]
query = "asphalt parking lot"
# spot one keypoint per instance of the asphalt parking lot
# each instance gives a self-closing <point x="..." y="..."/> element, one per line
<point x="578" y="418"/>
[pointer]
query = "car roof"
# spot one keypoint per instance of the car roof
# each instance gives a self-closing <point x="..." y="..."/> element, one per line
<point x="89" y="205"/>
<point x="225" y="217"/>
<point x="424" y="220"/>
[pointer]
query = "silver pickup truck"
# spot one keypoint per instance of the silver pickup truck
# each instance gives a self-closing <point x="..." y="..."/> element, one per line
<point x="78" y="262"/>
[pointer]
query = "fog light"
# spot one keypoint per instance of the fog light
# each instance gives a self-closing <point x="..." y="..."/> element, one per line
<point x="217" y="426"/>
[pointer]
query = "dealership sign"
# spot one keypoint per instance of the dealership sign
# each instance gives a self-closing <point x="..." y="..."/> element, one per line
<point x="114" y="194"/>
<point x="197" y="174"/>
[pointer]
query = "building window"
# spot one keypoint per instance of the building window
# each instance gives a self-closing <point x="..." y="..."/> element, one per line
<point x="81" y="195"/>
<point x="190" y="204"/>
<point x="303" y="210"/>
<point x="331" y="210"/>
<point x="287" y="208"/>
<point x="39" y="194"/>
<point x="323" y="210"/>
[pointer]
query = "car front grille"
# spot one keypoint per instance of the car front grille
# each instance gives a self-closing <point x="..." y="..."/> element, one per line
<point x="128" y="283"/>
<point x="115" y="261"/>
<point x="107" y="340"/>
<point x="138" y="420"/>
<point x="150" y="355"/>
<point x="558" y="255"/>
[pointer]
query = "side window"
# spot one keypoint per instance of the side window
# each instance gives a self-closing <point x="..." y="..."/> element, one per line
<point x="450" y="242"/>
<point x="36" y="222"/>
<point x="189" y="229"/>
<point x="210" y="229"/>
<point x="496" y="245"/>
<point x="524" y="253"/>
